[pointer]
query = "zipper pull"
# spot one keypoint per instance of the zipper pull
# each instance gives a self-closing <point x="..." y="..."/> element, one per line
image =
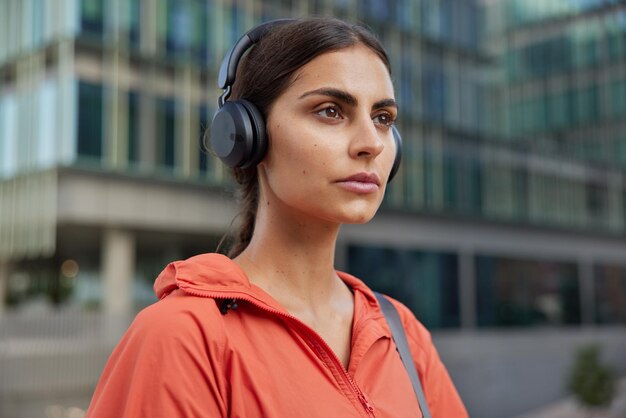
<point x="228" y="304"/>
<point x="368" y="406"/>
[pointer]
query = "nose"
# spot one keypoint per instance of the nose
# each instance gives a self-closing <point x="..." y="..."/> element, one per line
<point x="367" y="140"/>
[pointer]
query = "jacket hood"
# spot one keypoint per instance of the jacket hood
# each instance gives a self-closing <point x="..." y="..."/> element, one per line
<point x="217" y="276"/>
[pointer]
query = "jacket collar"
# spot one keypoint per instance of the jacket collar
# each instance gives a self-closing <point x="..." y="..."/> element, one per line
<point x="215" y="275"/>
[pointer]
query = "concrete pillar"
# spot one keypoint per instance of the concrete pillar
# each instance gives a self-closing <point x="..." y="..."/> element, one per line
<point x="467" y="288"/>
<point x="118" y="269"/>
<point x="587" y="292"/>
<point x="4" y="280"/>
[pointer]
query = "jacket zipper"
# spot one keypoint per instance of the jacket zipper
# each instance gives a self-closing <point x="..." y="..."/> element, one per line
<point x="356" y="391"/>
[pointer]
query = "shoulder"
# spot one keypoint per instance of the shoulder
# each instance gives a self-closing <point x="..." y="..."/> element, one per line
<point x="172" y="354"/>
<point x="179" y="319"/>
<point x="418" y="336"/>
<point x="443" y="398"/>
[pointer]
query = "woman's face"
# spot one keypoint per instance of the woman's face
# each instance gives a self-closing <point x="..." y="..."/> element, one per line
<point x="331" y="146"/>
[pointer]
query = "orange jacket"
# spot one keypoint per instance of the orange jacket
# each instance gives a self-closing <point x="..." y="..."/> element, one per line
<point x="182" y="357"/>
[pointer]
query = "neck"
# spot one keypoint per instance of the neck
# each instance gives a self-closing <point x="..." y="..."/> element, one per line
<point x="291" y="256"/>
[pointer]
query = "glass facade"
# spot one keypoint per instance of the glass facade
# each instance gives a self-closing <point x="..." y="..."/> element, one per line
<point x="508" y="291"/>
<point x="565" y="78"/>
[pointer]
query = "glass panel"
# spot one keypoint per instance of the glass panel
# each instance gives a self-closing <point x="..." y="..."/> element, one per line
<point x="377" y="10"/>
<point x="618" y="98"/>
<point x="180" y="26"/>
<point x="36" y="286"/>
<point x="426" y="282"/>
<point x="133" y="128"/>
<point x="587" y="108"/>
<point x="450" y="180"/>
<point x="89" y="120"/>
<point x="165" y="133"/>
<point x="597" y="203"/>
<point x="135" y="18"/>
<point x="610" y="292"/>
<point x="92" y="16"/>
<point x="433" y="89"/>
<point x="8" y="135"/>
<point x="513" y="292"/>
<point x="559" y="108"/>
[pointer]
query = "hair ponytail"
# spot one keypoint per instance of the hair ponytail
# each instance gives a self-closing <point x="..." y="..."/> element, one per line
<point x="248" y="200"/>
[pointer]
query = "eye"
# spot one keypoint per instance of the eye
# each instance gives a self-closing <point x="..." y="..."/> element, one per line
<point x="385" y="119"/>
<point x="331" y="112"/>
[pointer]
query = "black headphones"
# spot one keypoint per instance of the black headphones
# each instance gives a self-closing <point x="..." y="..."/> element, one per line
<point x="238" y="134"/>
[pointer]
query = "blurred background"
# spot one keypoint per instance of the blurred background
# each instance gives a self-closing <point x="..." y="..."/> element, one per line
<point x="504" y="230"/>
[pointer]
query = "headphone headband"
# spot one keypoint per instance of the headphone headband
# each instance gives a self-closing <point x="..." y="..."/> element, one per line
<point x="228" y="69"/>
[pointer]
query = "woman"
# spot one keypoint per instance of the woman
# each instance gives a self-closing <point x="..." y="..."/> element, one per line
<point x="274" y="330"/>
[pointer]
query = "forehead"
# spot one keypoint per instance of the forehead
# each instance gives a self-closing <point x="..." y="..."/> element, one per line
<point x="356" y="69"/>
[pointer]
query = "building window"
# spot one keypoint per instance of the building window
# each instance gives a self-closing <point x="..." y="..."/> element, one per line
<point x="587" y="105"/>
<point x="597" y="200"/>
<point x="36" y="284"/>
<point x="560" y="108"/>
<point x="434" y="90"/>
<point x="514" y="292"/>
<point x="133" y="128"/>
<point x="9" y="143"/>
<point x="610" y="294"/>
<point x="92" y="17"/>
<point x="166" y="120"/>
<point x="450" y="181"/>
<point x="180" y="27"/>
<point x="89" y="121"/>
<point x="618" y="97"/>
<point x="134" y="22"/>
<point x="426" y="282"/>
<point x="377" y="10"/>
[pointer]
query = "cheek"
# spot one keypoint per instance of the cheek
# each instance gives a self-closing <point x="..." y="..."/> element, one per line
<point x="296" y="150"/>
<point x="289" y="160"/>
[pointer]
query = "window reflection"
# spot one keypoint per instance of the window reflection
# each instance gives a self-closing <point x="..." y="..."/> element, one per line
<point x="90" y="120"/>
<point x="515" y="292"/>
<point x="133" y="128"/>
<point x="92" y="17"/>
<point x="610" y="294"/>
<point x="166" y="121"/>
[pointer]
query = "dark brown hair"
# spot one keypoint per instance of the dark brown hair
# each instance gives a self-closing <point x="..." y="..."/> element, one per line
<point x="268" y="69"/>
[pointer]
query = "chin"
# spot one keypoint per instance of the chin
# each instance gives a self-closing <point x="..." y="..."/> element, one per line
<point x="357" y="217"/>
<point x="359" y="221"/>
<point x="359" y="214"/>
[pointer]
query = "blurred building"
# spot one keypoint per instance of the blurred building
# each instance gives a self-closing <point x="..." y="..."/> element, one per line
<point x="503" y="231"/>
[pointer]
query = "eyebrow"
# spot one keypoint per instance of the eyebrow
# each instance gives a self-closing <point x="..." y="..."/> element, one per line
<point x="347" y="98"/>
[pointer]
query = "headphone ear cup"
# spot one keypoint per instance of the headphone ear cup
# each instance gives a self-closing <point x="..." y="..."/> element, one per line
<point x="238" y="134"/>
<point x="396" y="163"/>
<point x="259" y="135"/>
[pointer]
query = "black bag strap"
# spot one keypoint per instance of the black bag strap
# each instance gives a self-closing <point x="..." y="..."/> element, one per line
<point x="399" y="337"/>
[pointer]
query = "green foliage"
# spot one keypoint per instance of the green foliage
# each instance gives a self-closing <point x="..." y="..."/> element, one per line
<point x="591" y="382"/>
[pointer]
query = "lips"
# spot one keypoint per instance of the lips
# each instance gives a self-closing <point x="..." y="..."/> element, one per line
<point x="364" y="178"/>
<point x="361" y="183"/>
